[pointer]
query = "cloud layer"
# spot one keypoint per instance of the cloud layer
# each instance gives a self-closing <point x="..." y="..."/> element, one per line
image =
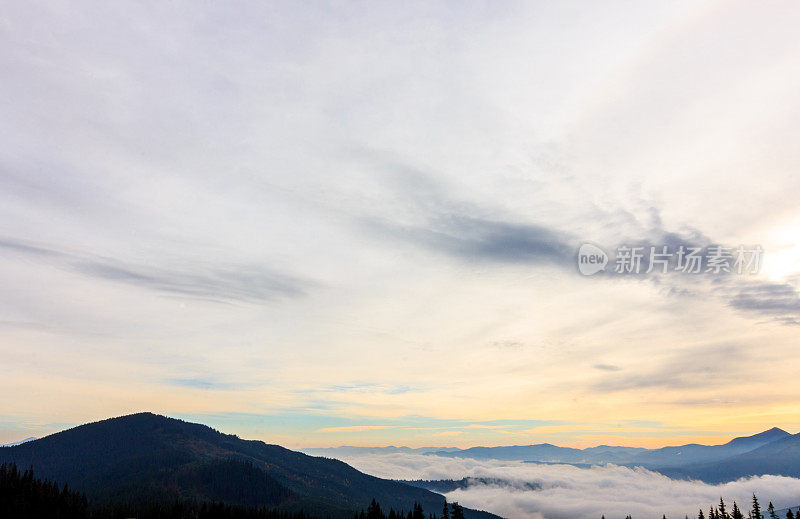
<point x="525" y="490"/>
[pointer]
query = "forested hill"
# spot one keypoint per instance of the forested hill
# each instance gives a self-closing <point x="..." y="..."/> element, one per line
<point x="146" y="457"/>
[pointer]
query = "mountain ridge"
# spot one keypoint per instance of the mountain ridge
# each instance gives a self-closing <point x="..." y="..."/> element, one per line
<point x="660" y="457"/>
<point x="157" y="458"/>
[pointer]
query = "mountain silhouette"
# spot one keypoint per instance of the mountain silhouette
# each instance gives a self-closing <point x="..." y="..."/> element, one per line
<point x="773" y="451"/>
<point x="780" y="457"/>
<point x="151" y="458"/>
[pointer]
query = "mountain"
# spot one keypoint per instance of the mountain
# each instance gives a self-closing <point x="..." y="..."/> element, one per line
<point x="757" y="440"/>
<point x="346" y="450"/>
<point x="742" y="455"/>
<point x="780" y="457"/>
<point x="150" y="458"/>
<point x="539" y="452"/>
<point x="19" y="442"/>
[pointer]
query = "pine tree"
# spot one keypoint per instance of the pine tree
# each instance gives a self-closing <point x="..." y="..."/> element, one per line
<point x="374" y="510"/>
<point x="771" y="511"/>
<point x="446" y="511"/>
<point x="458" y="511"/>
<point x="789" y="514"/>
<point x="756" y="511"/>
<point x="701" y="515"/>
<point x="736" y="513"/>
<point x="723" y="514"/>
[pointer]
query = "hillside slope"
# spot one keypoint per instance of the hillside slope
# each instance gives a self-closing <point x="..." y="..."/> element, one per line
<point x="153" y="457"/>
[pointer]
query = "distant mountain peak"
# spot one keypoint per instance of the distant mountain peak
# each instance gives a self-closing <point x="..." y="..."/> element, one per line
<point x="26" y="440"/>
<point x="761" y="438"/>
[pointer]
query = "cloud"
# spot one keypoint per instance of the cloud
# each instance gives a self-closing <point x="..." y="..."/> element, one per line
<point x="444" y="224"/>
<point x="526" y="490"/>
<point x="223" y="283"/>
<point x="776" y="299"/>
<point x="698" y="366"/>
<point x="355" y="428"/>
<point x="606" y="367"/>
<point x="201" y="383"/>
<point x="477" y="239"/>
<point x="367" y="388"/>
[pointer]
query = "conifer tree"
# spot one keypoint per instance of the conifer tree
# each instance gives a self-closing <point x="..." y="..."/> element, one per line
<point x="789" y="514"/>
<point x="446" y="511"/>
<point x="700" y="515"/>
<point x="755" y="513"/>
<point x="458" y="511"/>
<point x="736" y="513"/>
<point x="771" y="511"/>
<point x="374" y="510"/>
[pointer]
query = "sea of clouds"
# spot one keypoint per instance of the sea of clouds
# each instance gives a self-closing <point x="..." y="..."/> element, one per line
<point x="567" y="492"/>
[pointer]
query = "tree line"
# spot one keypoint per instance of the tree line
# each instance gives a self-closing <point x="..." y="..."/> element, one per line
<point x="374" y="511"/>
<point x="24" y="496"/>
<point x="721" y="511"/>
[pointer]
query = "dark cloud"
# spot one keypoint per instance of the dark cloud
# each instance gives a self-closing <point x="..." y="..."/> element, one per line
<point x="441" y="223"/>
<point x="476" y="239"/>
<point x="228" y="283"/>
<point x="430" y="218"/>
<point x="779" y="299"/>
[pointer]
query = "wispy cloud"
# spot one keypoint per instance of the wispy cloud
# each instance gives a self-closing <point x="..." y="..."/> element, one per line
<point x="698" y="366"/>
<point x="780" y="300"/>
<point x="223" y="283"/>
<point x="355" y="428"/>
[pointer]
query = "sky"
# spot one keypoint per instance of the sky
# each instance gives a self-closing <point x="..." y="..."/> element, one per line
<point x="357" y="223"/>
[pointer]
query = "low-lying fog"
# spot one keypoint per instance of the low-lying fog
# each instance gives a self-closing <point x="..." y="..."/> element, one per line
<point x="576" y="493"/>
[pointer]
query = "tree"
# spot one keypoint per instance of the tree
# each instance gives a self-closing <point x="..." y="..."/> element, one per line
<point x="446" y="511"/>
<point x="374" y="510"/>
<point x="771" y="511"/>
<point x="736" y="513"/>
<point x="789" y="514"/>
<point x="723" y="514"/>
<point x="701" y="515"/>
<point x="458" y="511"/>
<point x="755" y="513"/>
